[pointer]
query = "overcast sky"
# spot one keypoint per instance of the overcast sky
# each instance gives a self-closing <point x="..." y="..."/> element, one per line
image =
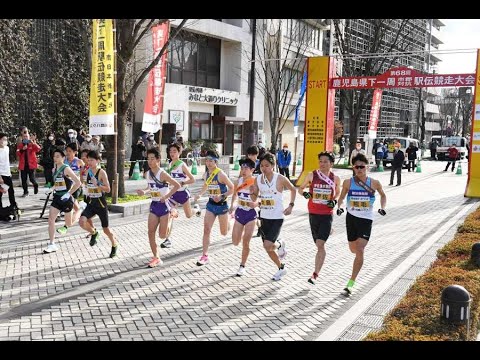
<point x="459" y="34"/>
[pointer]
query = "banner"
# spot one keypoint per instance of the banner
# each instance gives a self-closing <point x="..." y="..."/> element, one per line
<point x="303" y="88"/>
<point x="153" y="113"/>
<point x="374" y="113"/>
<point x="102" y="118"/>
<point x="473" y="182"/>
<point x="319" y="111"/>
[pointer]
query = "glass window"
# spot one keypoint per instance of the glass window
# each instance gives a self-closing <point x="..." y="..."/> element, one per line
<point x="189" y="78"/>
<point x="190" y="56"/>
<point x="202" y="58"/>
<point x="175" y="75"/>
<point x="205" y="131"/>
<point x="237" y="132"/>
<point x="202" y="78"/>
<point x="218" y="133"/>
<point x="213" y="81"/>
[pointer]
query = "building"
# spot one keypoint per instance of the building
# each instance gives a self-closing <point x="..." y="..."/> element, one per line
<point x="207" y="93"/>
<point x="399" y="114"/>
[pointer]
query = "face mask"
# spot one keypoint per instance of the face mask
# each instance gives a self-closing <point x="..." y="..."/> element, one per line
<point x="150" y="138"/>
<point x="50" y="138"/>
<point x="396" y="148"/>
<point x="88" y="139"/>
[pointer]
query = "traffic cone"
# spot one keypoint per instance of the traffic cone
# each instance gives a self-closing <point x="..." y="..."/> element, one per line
<point x="136" y="172"/>
<point x="299" y="162"/>
<point x="237" y="165"/>
<point x="459" y="168"/>
<point x="419" y="167"/>
<point x="345" y="161"/>
<point x="194" y="167"/>
<point x="380" y="167"/>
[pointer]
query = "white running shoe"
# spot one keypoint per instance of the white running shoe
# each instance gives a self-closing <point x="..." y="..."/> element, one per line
<point x="241" y="271"/>
<point x="203" y="260"/>
<point x="282" y="250"/>
<point x="50" y="248"/>
<point x="279" y="274"/>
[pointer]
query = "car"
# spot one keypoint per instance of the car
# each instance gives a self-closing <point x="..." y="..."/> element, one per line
<point x="404" y="144"/>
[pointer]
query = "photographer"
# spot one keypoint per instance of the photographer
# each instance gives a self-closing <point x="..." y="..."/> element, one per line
<point x="27" y="151"/>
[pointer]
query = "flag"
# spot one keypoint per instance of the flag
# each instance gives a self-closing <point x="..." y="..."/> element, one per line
<point x="152" y="115"/>
<point x="102" y="117"/>
<point x="303" y="89"/>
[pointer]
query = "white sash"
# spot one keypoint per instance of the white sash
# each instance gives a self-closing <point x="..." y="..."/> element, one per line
<point x="327" y="180"/>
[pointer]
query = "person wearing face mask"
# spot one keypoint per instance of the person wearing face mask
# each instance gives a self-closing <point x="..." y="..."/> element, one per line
<point x="27" y="161"/>
<point x="5" y="174"/>
<point x="358" y="150"/>
<point x="397" y="164"/>
<point x="284" y="158"/>
<point x="88" y="144"/>
<point x="47" y="158"/>
<point x="150" y="143"/>
<point x="72" y="137"/>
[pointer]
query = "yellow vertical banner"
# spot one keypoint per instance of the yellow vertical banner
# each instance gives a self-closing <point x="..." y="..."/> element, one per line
<point x="102" y="79"/>
<point x="473" y="182"/>
<point x="318" y="113"/>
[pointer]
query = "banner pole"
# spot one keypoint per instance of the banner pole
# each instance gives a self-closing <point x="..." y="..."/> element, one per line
<point x="115" y="118"/>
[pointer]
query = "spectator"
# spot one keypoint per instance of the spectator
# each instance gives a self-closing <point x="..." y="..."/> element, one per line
<point x="138" y="150"/>
<point x="261" y="150"/>
<point x="378" y="152"/>
<point x="453" y="156"/>
<point x="149" y="144"/>
<point x="397" y="164"/>
<point x="284" y="158"/>
<point x="433" y="149"/>
<point x="252" y="154"/>
<point x="27" y="161"/>
<point x="412" y="156"/>
<point x="88" y="144"/>
<point x="358" y="150"/>
<point x="47" y="158"/>
<point x="5" y="174"/>
<point x="72" y="137"/>
<point x="342" y="146"/>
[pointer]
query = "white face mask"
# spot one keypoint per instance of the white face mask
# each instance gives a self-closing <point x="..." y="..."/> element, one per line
<point x="150" y="138"/>
<point x="50" y="138"/>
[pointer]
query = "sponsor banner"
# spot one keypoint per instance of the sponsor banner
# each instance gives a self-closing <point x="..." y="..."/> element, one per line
<point x="375" y="110"/>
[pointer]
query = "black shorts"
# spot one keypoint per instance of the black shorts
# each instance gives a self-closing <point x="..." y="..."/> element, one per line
<point x="358" y="228"/>
<point x="65" y="206"/>
<point x="321" y="226"/>
<point x="102" y="212"/>
<point x="270" y="229"/>
<point x="78" y="193"/>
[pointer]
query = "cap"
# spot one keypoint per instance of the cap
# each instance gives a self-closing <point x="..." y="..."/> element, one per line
<point x="285" y="145"/>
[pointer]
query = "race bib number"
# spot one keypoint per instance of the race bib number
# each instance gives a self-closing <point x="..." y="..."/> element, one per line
<point x="243" y="203"/>
<point x="267" y="203"/>
<point x="155" y="195"/>
<point x="321" y="195"/>
<point x="60" y="184"/>
<point x="360" y="203"/>
<point x="94" y="191"/>
<point x="213" y="190"/>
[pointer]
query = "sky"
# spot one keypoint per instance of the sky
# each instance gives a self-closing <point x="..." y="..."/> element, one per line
<point x="459" y="34"/>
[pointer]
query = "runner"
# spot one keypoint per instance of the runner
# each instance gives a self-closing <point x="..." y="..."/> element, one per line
<point x="158" y="181"/>
<point x="219" y="188"/>
<point x="270" y="186"/>
<point x="324" y="189"/>
<point x="97" y="186"/>
<point x="178" y="170"/>
<point x="245" y="214"/>
<point x="360" y="193"/>
<point x="75" y="164"/>
<point x="63" y="177"/>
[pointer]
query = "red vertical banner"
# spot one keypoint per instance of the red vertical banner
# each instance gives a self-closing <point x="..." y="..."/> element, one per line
<point x="152" y="115"/>
<point x="374" y="113"/>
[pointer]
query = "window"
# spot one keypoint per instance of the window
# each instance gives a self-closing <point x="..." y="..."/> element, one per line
<point x="194" y="60"/>
<point x="199" y="126"/>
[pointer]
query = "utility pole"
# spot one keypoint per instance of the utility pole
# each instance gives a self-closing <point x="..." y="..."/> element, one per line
<point x="251" y="132"/>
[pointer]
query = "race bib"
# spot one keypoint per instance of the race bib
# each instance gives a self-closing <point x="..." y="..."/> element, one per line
<point x="60" y="184"/>
<point x="321" y="195"/>
<point x="360" y="203"/>
<point x="94" y="191"/>
<point x="267" y="203"/>
<point x="155" y="195"/>
<point x="213" y="190"/>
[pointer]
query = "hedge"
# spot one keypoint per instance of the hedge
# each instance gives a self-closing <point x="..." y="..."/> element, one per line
<point x="417" y="315"/>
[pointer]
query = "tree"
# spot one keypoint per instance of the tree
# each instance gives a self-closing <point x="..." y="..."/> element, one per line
<point x="15" y="68"/>
<point x="281" y="49"/>
<point x="385" y="36"/>
<point x="130" y="33"/>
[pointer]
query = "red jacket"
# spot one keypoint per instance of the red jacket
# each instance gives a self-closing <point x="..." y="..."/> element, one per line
<point x="32" y="149"/>
<point x="453" y="153"/>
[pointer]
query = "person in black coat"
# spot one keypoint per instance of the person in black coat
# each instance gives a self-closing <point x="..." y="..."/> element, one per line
<point x="397" y="164"/>
<point x="47" y="158"/>
<point x="137" y="154"/>
<point x="412" y="156"/>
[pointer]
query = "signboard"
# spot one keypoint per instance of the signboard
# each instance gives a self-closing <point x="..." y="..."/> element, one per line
<point x="473" y="182"/>
<point x="402" y="77"/>
<point x="212" y="96"/>
<point x="101" y="119"/>
<point x="176" y="117"/>
<point x="152" y="115"/>
<point x="319" y="107"/>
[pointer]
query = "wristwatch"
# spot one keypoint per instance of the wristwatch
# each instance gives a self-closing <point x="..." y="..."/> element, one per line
<point x="292" y="204"/>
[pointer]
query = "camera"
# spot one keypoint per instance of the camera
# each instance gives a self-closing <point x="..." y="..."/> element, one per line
<point x="25" y="141"/>
<point x="197" y="210"/>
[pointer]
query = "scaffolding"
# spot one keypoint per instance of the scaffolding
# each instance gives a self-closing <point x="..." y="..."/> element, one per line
<point x="399" y="107"/>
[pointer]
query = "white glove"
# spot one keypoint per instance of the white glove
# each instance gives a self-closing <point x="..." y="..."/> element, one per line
<point x="66" y="196"/>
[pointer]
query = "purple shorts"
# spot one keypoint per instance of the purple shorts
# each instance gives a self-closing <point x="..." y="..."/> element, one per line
<point x="245" y="216"/>
<point x="159" y="209"/>
<point x="181" y="196"/>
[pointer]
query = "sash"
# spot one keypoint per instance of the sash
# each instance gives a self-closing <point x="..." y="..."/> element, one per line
<point x="210" y="178"/>
<point x="245" y="184"/>
<point x="326" y="179"/>
<point x="59" y="171"/>
<point x="174" y="166"/>
<point x="365" y="186"/>
<point x="154" y="178"/>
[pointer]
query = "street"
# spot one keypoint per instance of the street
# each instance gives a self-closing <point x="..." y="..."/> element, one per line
<point x="78" y="293"/>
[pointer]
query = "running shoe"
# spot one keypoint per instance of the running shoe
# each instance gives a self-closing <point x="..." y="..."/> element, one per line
<point x="50" y="248"/>
<point x="155" y="262"/>
<point x="62" y="230"/>
<point x="94" y="238"/>
<point x="203" y="260"/>
<point x="166" y="244"/>
<point x="241" y="271"/>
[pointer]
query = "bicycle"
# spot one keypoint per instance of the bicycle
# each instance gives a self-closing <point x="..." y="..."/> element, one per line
<point x="192" y="155"/>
